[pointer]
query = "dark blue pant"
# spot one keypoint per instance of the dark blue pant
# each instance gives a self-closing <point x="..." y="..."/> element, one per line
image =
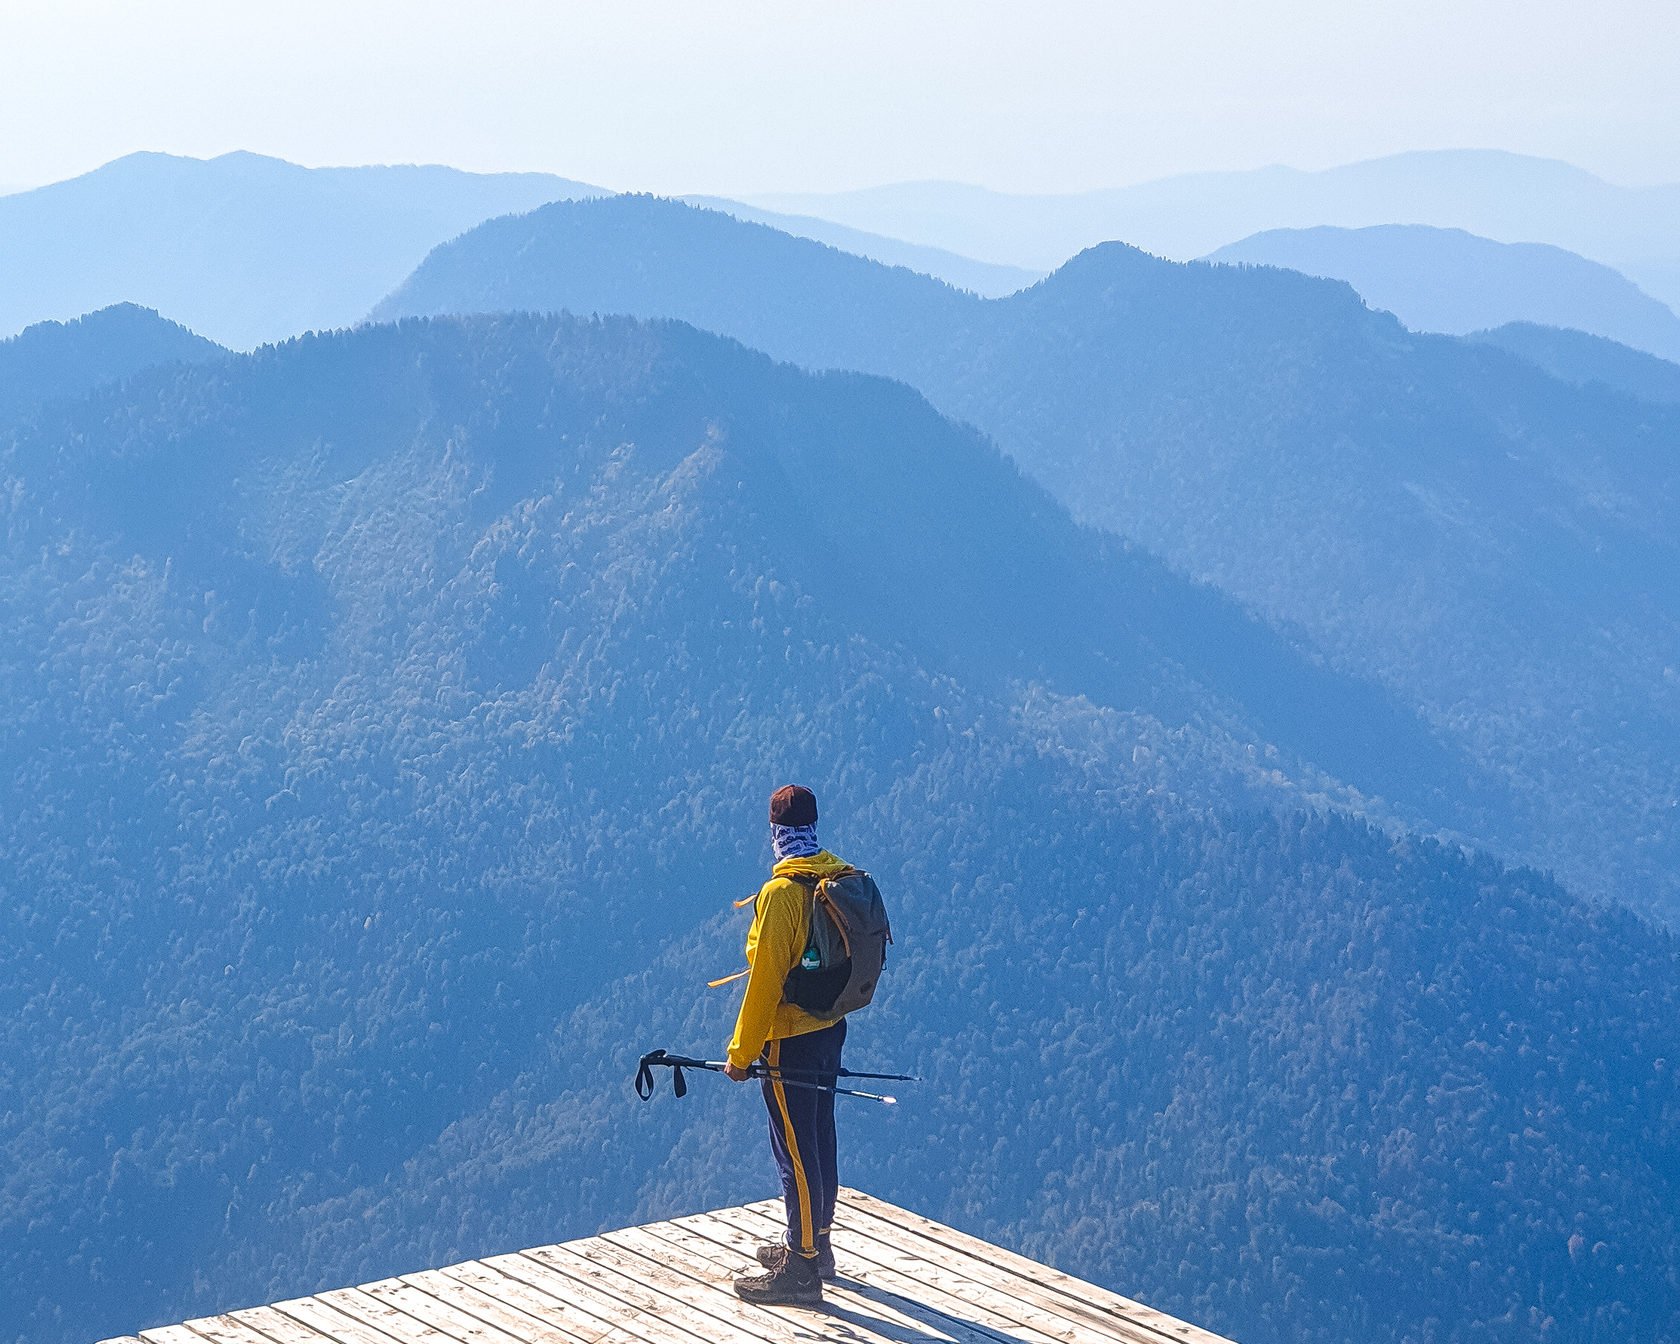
<point x="802" y="1131"/>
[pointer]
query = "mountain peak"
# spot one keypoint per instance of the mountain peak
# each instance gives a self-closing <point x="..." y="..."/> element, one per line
<point x="1112" y="258"/>
<point x="656" y="257"/>
<point x="53" y="360"/>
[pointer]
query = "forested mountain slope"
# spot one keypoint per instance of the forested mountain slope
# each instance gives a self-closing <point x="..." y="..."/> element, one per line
<point x="1497" y="547"/>
<point x="389" y="724"/>
<point x="959" y="272"/>
<point x="242" y="248"/>
<point x="658" y="258"/>
<point x="1451" y="281"/>
<point x="1582" y="359"/>
<point x="68" y="359"/>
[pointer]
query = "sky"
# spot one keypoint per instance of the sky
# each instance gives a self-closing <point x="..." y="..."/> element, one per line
<point x="746" y="96"/>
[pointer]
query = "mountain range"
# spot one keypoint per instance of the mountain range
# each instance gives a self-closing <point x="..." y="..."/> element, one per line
<point x="1493" y="546"/>
<point x="1510" y="198"/>
<point x="246" y="249"/>
<point x="389" y="720"/>
<point x="1450" y="281"/>
<point x="241" y="248"/>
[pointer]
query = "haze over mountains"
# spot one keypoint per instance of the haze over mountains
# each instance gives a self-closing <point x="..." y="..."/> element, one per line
<point x="1494" y="546"/>
<point x="392" y="713"/>
<point x="1510" y="198"/>
<point x="241" y="248"/>
<point x="1450" y="281"/>
<point x="246" y="249"/>
<point x="984" y="278"/>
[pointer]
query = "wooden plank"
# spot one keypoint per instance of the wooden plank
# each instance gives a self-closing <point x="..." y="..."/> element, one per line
<point x="866" y="1252"/>
<point x="771" y="1208"/>
<point x="568" y="1317"/>
<point x="171" y="1334"/>
<point x="672" y="1271"/>
<point x="909" y="1280"/>
<point x="630" y="1318"/>
<point x="227" y="1330"/>
<point x="492" y="1310"/>
<point x="879" y="1244"/>
<point x="966" y="1283"/>
<point x="953" y="1314"/>
<point x="280" y="1328"/>
<point x="863" y="1307"/>
<point x="678" y="1299"/>
<point x="946" y="1291"/>
<point x="442" y="1316"/>
<point x="886" y="1244"/>
<point x="317" y="1315"/>
<point x="1020" y="1267"/>
<point x="850" y="1316"/>
<point x="383" y="1317"/>
<point x="1046" y="1287"/>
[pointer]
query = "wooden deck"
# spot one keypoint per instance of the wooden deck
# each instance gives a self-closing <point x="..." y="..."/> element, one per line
<point x="903" y="1280"/>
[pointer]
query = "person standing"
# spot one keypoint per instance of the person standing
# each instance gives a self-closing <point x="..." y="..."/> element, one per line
<point x="783" y="1036"/>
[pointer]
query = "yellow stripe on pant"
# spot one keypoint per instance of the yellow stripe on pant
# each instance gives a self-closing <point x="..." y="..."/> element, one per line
<point x="807" y="1230"/>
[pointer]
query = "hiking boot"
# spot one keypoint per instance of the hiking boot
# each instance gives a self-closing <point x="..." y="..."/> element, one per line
<point x="792" y="1282"/>
<point x="771" y="1254"/>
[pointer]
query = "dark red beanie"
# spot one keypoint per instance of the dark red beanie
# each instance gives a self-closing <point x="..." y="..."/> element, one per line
<point x="793" y="805"/>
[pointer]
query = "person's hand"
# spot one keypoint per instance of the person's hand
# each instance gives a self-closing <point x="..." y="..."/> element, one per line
<point x="735" y="1074"/>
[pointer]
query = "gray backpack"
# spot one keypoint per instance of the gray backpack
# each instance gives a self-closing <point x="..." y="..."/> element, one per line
<point x="846" y="948"/>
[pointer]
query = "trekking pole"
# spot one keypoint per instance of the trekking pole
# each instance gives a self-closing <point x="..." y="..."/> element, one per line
<point x="786" y="1077"/>
<point x="841" y="1073"/>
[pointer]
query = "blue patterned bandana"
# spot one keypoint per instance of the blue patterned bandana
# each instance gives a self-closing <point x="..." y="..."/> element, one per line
<point x="794" y="842"/>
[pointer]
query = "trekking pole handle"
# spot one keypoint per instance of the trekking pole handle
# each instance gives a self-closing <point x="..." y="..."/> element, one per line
<point x="676" y="1064"/>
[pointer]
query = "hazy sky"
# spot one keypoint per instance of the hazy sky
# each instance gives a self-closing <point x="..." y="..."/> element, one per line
<point x="739" y="96"/>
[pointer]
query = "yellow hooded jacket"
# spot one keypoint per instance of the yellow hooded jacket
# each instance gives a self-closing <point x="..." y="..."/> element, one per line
<point x="775" y="943"/>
